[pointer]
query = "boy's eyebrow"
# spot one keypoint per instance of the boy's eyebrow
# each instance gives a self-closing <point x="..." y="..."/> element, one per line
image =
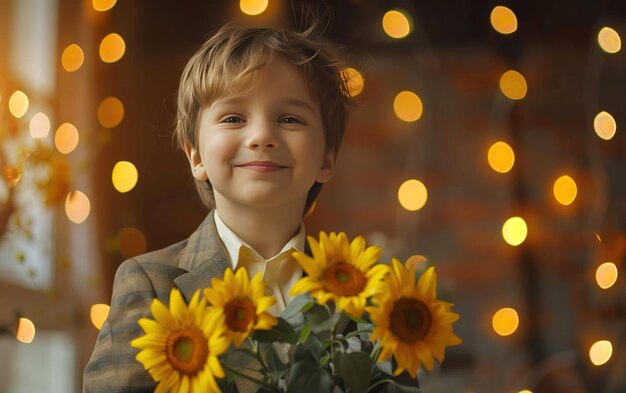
<point x="287" y="101"/>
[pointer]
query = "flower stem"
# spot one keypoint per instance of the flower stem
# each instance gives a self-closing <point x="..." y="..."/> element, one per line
<point x="379" y="383"/>
<point x="251" y="379"/>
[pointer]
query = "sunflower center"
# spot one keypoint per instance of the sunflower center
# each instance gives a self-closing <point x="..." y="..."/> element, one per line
<point x="240" y="313"/>
<point x="343" y="279"/>
<point x="187" y="350"/>
<point x="410" y="320"/>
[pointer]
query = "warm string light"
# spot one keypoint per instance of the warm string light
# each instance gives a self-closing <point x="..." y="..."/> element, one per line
<point x="503" y="20"/>
<point x="110" y="112"/>
<point x="124" y="176"/>
<point x="39" y="126"/>
<point x="513" y="85"/>
<point x="77" y="207"/>
<point x="514" y="231"/>
<point x="354" y="80"/>
<point x="501" y="157"/>
<point x="131" y="242"/>
<point x="103" y="5"/>
<point x="606" y="275"/>
<point x="408" y="106"/>
<point x="66" y="138"/>
<point x="253" y="7"/>
<point x="505" y="321"/>
<point x="605" y="126"/>
<point x="565" y="190"/>
<point x="72" y="58"/>
<point x="600" y="352"/>
<point x="412" y="195"/>
<point x="25" y="331"/>
<point x="99" y="314"/>
<point x="18" y="104"/>
<point x="112" y="48"/>
<point x="609" y="40"/>
<point x="397" y="24"/>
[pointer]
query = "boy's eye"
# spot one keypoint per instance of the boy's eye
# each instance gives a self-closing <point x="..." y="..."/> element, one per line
<point x="232" y="119"/>
<point x="290" y="120"/>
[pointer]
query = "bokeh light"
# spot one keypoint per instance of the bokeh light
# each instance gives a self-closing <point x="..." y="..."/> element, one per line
<point x="600" y="352"/>
<point x="72" y="58"/>
<point x="397" y="24"/>
<point x="25" y="331"/>
<point x="253" y="7"/>
<point x="525" y="391"/>
<point x="565" y="190"/>
<point x="112" y="48"/>
<point x="124" y="176"/>
<point x="505" y="321"/>
<point x="609" y="40"/>
<point x="501" y="157"/>
<point x="18" y="104"/>
<point x="513" y="85"/>
<point x="66" y="138"/>
<point x="503" y="20"/>
<point x="416" y="260"/>
<point x="412" y="195"/>
<point x="354" y="80"/>
<point x="110" y="112"/>
<point x="77" y="207"/>
<point x="408" y="106"/>
<point x="514" y="231"/>
<point x="103" y="5"/>
<point x="12" y="175"/>
<point x="606" y="275"/>
<point x="39" y="126"/>
<point x="605" y="126"/>
<point x="132" y="242"/>
<point x="98" y="314"/>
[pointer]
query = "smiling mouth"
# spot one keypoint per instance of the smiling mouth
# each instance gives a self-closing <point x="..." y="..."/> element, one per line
<point x="263" y="167"/>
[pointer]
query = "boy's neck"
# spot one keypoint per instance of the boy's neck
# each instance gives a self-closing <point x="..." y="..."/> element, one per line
<point x="265" y="230"/>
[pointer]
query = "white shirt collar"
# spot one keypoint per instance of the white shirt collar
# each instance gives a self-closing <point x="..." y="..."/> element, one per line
<point x="233" y="243"/>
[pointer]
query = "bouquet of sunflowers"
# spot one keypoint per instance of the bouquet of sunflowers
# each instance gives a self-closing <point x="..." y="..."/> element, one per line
<point x="356" y="326"/>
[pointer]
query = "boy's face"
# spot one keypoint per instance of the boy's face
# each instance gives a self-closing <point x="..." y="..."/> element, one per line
<point x="263" y="147"/>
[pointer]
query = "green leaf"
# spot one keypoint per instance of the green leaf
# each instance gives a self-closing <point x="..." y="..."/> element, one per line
<point x="282" y="333"/>
<point x="304" y="334"/>
<point x="312" y="350"/>
<point x="227" y="386"/>
<point x="320" y="319"/>
<point x="307" y="376"/>
<point x="355" y="369"/>
<point x="295" y="307"/>
<point x="277" y="368"/>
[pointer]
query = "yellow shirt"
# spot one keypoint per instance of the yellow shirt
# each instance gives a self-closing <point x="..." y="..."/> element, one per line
<point x="280" y="272"/>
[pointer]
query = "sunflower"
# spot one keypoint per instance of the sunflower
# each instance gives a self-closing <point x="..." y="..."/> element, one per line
<point x="411" y="324"/>
<point x="341" y="271"/>
<point x="181" y="345"/>
<point x="243" y="303"/>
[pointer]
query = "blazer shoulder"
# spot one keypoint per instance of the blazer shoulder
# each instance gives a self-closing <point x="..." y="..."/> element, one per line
<point x="169" y="255"/>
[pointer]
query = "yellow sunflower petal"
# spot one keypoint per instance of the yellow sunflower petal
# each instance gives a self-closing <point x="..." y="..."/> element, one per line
<point x="216" y="367"/>
<point x="151" y="326"/>
<point x="318" y="254"/>
<point x="425" y="355"/>
<point x="265" y="303"/>
<point x="153" y="341"/>
<point x="162" y="314"/>
<point x="309" y="265"/>
<point x="184" y="384"/>
<point x="178" y="307"/>
<point x="427" y="284"/>
<point x="213" y="297"/>
<point x="356" y="247"/>
<point x="150" y="359"/>
<point x="304" y="285"/>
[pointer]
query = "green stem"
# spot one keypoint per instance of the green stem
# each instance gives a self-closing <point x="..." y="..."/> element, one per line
<point x="379" y="383"/>
<point x="375" y="351"/>
<point x="251" y="379"/>
<point x="356" y="332"/>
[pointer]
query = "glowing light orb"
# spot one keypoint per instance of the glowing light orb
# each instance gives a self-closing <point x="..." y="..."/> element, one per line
<point x="514" y="231"/>
<point x="412" y="195"/>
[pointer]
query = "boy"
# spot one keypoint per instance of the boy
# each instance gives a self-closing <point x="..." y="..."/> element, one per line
<point x="261" y="116"/>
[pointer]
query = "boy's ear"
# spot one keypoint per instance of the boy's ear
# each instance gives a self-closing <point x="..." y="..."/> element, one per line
<point x="195" y="161"/>
<point x="326" y="171"/>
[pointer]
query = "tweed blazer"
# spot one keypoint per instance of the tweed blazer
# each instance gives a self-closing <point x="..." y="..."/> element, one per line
<point x="188" y="265"/>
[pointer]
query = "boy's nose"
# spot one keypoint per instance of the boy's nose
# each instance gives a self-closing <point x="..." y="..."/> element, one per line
<point x="262" y="135"/>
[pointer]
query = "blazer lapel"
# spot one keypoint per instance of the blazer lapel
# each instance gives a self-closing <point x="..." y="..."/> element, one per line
<point x="203" y="258"/>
